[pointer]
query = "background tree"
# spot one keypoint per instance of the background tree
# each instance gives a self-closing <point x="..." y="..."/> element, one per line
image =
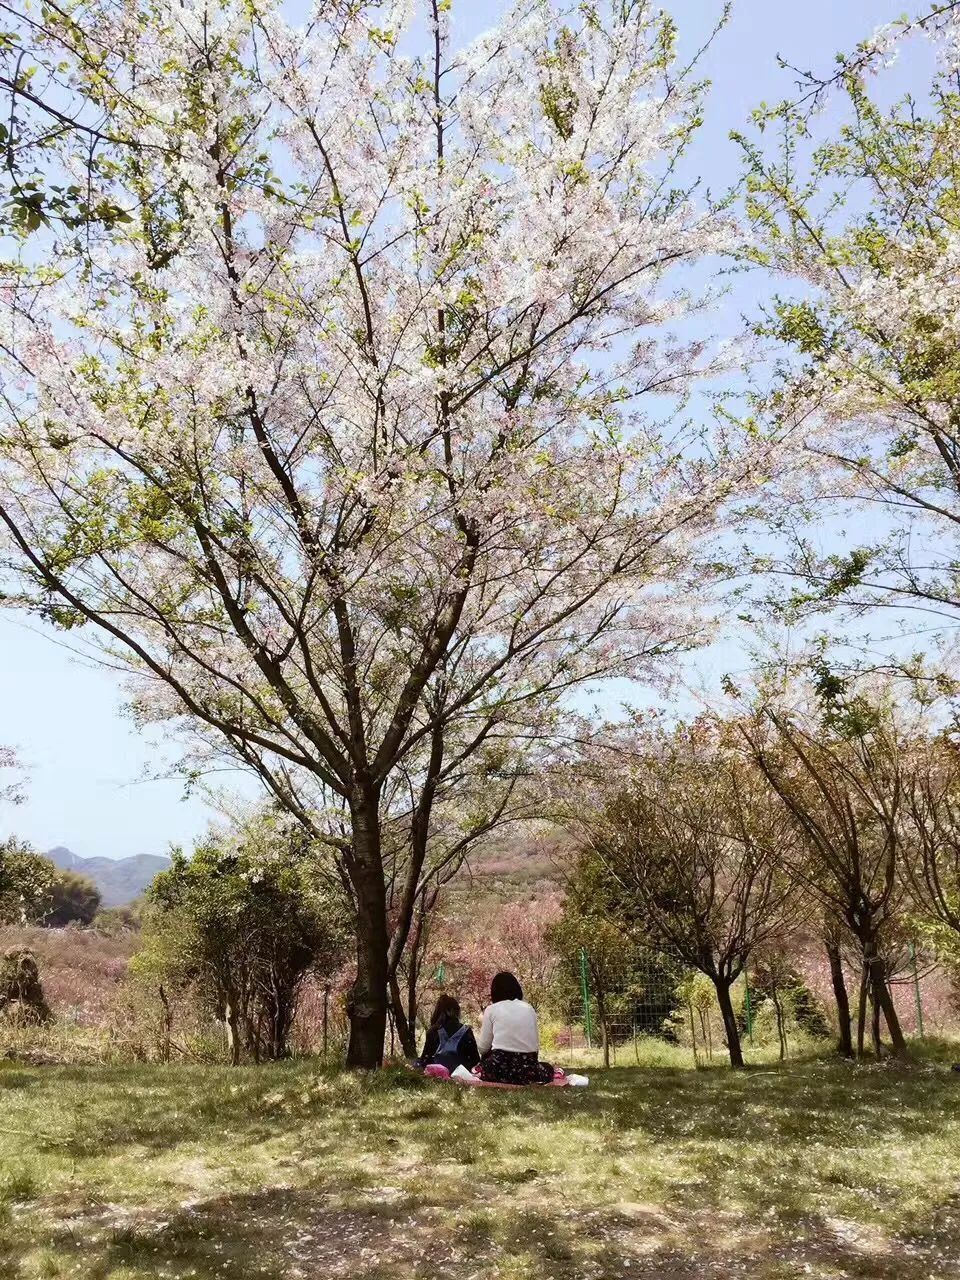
<point x="74" y="899"/>
<point x="340" y="448"/>
<point x="34" y="891"/>
<point x="933" y="811"/>
<point x="165" y="991"/>
<point x="26" y="883"/>
<point x="840" y="776"/>
<point x="122" y="919"/>
<point x="523" y="933"/>
<point x="696" y="1001"/>
<point x="774" y="976"/>
<point x="693" y="851"/>
<point x="590" y="927"/>
<point x="244" y="920"/>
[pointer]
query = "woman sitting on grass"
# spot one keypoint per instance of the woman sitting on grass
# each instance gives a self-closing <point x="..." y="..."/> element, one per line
<point x="449" y="1043"/>
<point x="509" y="1039"/>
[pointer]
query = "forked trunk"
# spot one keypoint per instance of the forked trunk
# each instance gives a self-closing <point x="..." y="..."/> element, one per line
<point x="730" y="1027"/>
<point x="883" y="998"/>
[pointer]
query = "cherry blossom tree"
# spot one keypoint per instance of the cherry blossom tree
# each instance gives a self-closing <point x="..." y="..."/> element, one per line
<point x="341" y="445"/>
<point x="861" y="226"/>
<point x="59" y="80"/>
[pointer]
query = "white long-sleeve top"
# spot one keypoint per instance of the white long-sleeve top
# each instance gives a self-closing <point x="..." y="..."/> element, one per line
<point x="510" y="1025"/>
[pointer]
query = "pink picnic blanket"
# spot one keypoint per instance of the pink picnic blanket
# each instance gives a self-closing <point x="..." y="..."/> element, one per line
<point x="436" y="1072"/>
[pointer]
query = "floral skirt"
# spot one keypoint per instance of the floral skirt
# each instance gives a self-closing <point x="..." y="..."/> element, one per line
<point x="502" y="1067"/>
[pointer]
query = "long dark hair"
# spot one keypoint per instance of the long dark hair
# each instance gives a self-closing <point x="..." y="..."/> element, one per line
<point x="446" y="1009"/>
<point x="505" y="987"/>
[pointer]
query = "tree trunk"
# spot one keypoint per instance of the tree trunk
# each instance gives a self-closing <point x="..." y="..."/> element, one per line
<point x="406" y="1030"/>
<point x="166" y="1026"/>
<point x="367" y="1003"/>
<point x="285" y="997"/>
<point x="845" y="1042"/>
<point x="233" y="1033"/>
<point x="693" y="1033"/>
<point x="875" y="1025"/>
<point x="729" y="1022"/>
<point x="413" y="977"/>
<point x="781" y="1029"/>
<point x="604" y="1029"/>
<point x="883" y="998"/>
<point x="862" y="1012"/>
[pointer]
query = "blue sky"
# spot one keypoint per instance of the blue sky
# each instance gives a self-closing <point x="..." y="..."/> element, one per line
<point x="86" y="785"/>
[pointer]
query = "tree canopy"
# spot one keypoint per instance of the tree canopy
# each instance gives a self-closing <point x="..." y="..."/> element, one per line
<point x="339" y="440"/>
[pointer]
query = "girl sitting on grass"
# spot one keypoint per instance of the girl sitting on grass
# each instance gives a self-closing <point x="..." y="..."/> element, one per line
<point x="449" y="1043"/>
<point x="509" y="1039"/>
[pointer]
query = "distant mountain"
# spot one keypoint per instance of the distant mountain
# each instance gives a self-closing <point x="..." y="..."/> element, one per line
<point x="119" y="880"/>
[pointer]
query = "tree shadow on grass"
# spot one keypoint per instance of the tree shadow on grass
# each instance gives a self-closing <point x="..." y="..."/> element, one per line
<point x="159" y="1109"/>
<point x="746" y="1194"/>
<point x="647" y="1243"/>
<point x="284" y="1234"/>
<point x="275" y="1235"/>
<point x="834" y="1105"/>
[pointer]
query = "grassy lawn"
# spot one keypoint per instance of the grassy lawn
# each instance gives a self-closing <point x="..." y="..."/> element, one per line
<point x="817" y="1169"/>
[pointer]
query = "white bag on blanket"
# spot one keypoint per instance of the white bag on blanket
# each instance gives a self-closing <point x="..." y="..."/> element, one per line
<point x="461" y="1073"/>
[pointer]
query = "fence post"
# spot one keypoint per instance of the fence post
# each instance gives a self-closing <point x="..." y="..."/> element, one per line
<point x="916" y="990"/>
<point x="693" y="1034"/>
<point x="746" y="1004"/>
<point x="585" y="992"/>
<point x="326" y="1011"/>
